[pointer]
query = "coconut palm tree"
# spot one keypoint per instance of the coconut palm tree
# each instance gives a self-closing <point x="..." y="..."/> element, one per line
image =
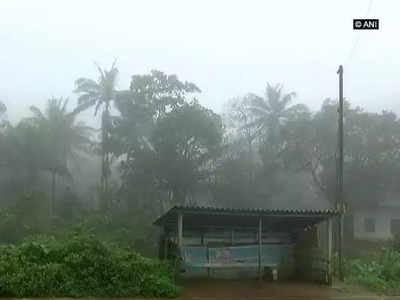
<point x="100" y="94"/>
<point x="3" y="110"/>
<point x="272" y="111"/>
<point x="64" y="138"/>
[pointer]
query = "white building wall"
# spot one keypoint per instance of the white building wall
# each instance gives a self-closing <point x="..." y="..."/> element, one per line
<point x="382" y="218"/>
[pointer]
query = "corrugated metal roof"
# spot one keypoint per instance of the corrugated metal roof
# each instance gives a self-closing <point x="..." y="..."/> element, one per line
<point x="209" y="210"/>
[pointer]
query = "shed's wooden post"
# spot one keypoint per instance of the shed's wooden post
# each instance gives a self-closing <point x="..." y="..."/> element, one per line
<point x="166" y="241"/>
<point x="208" y="262"/>
<point x="232" y="236"/>
<point x="180" y="234"/>
<point x="259" y="246"/>
<point x="329" y="249"/>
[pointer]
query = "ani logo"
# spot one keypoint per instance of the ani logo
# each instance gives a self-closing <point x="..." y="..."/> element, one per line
<point x="365" y="24"/>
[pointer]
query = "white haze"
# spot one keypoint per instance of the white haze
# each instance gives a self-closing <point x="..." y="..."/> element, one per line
<point x="228" y="48"/>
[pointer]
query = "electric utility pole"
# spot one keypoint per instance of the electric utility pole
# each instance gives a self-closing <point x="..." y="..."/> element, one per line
<point x="339" y="175"/>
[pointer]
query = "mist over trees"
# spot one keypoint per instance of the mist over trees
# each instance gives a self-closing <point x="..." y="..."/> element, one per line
<point x="160" y="147"/>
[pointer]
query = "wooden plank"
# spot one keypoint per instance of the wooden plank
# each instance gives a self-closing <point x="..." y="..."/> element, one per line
<point x="239" y="256"/>
<point x="231" y="265"/>
<point x="314" y="258"/>
<point x="248" y="228"/>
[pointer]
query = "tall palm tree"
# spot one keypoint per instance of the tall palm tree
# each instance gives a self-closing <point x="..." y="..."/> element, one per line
<point x="3" y="109"/>
<point x="64" y="137"/>
<point x="272" y="110"/>
<point x="100" y="94"/>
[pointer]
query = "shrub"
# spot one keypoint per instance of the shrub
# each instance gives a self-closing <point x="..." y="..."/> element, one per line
<point x="395" y="243"/>
<point x="80" y="265"/>
<point x="378" y="270"/>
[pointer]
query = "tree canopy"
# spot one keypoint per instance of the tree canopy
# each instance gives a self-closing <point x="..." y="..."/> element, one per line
<point x="165" y="148"/>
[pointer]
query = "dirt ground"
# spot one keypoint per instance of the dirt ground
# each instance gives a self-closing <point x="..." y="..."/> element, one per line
<point x="209" y="289"/>
<point x="253" y="289"/>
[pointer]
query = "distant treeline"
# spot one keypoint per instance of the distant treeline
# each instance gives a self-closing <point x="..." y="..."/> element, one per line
<point x="162" y="147"/>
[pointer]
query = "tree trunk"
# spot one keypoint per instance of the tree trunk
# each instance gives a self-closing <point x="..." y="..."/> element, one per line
<point x="53" y="191"/>
<point x="104" y="157"/>
<point x="102" y="154"/>
<point x="250" y="159"/>
<point x="179" y="195"/>
<point x="106" y="169"/>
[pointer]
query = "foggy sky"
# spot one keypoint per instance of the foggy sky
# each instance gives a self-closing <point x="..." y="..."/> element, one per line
<point x="228" y="48"/>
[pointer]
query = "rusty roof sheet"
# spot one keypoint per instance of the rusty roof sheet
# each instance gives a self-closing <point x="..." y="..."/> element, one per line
<point x="256" y="212"/>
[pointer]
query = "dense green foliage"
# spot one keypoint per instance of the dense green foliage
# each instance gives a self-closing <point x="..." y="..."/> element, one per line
<point x="158" y="147"/>
<point x="379" y="270"/>
<point x="80" y="265"/>
<point x="115" y="226"/>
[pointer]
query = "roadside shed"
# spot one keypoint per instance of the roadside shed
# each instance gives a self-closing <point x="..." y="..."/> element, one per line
<point x="226" y="242"/>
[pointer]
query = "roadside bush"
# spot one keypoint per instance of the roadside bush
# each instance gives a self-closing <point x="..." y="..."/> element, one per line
<point x="378" y="270"/>
<point x="395" y="243"/>
<point x="121" y="228"/>
<point x="80" y="265"/>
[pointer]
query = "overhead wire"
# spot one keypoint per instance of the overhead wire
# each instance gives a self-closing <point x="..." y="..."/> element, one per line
<point x="357" y="38"/>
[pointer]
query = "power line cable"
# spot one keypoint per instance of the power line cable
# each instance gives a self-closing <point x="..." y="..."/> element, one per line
<point x="357" y="38"/>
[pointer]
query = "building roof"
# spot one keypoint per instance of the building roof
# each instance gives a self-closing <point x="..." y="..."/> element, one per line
<point x="272" y="219"/>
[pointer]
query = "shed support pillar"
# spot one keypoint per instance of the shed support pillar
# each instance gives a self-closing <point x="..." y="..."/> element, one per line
<point x="180" y="234"/>
<point x="259" y="247"/>
<point x="166" y="243"/>
<point x="329" y="250"/>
